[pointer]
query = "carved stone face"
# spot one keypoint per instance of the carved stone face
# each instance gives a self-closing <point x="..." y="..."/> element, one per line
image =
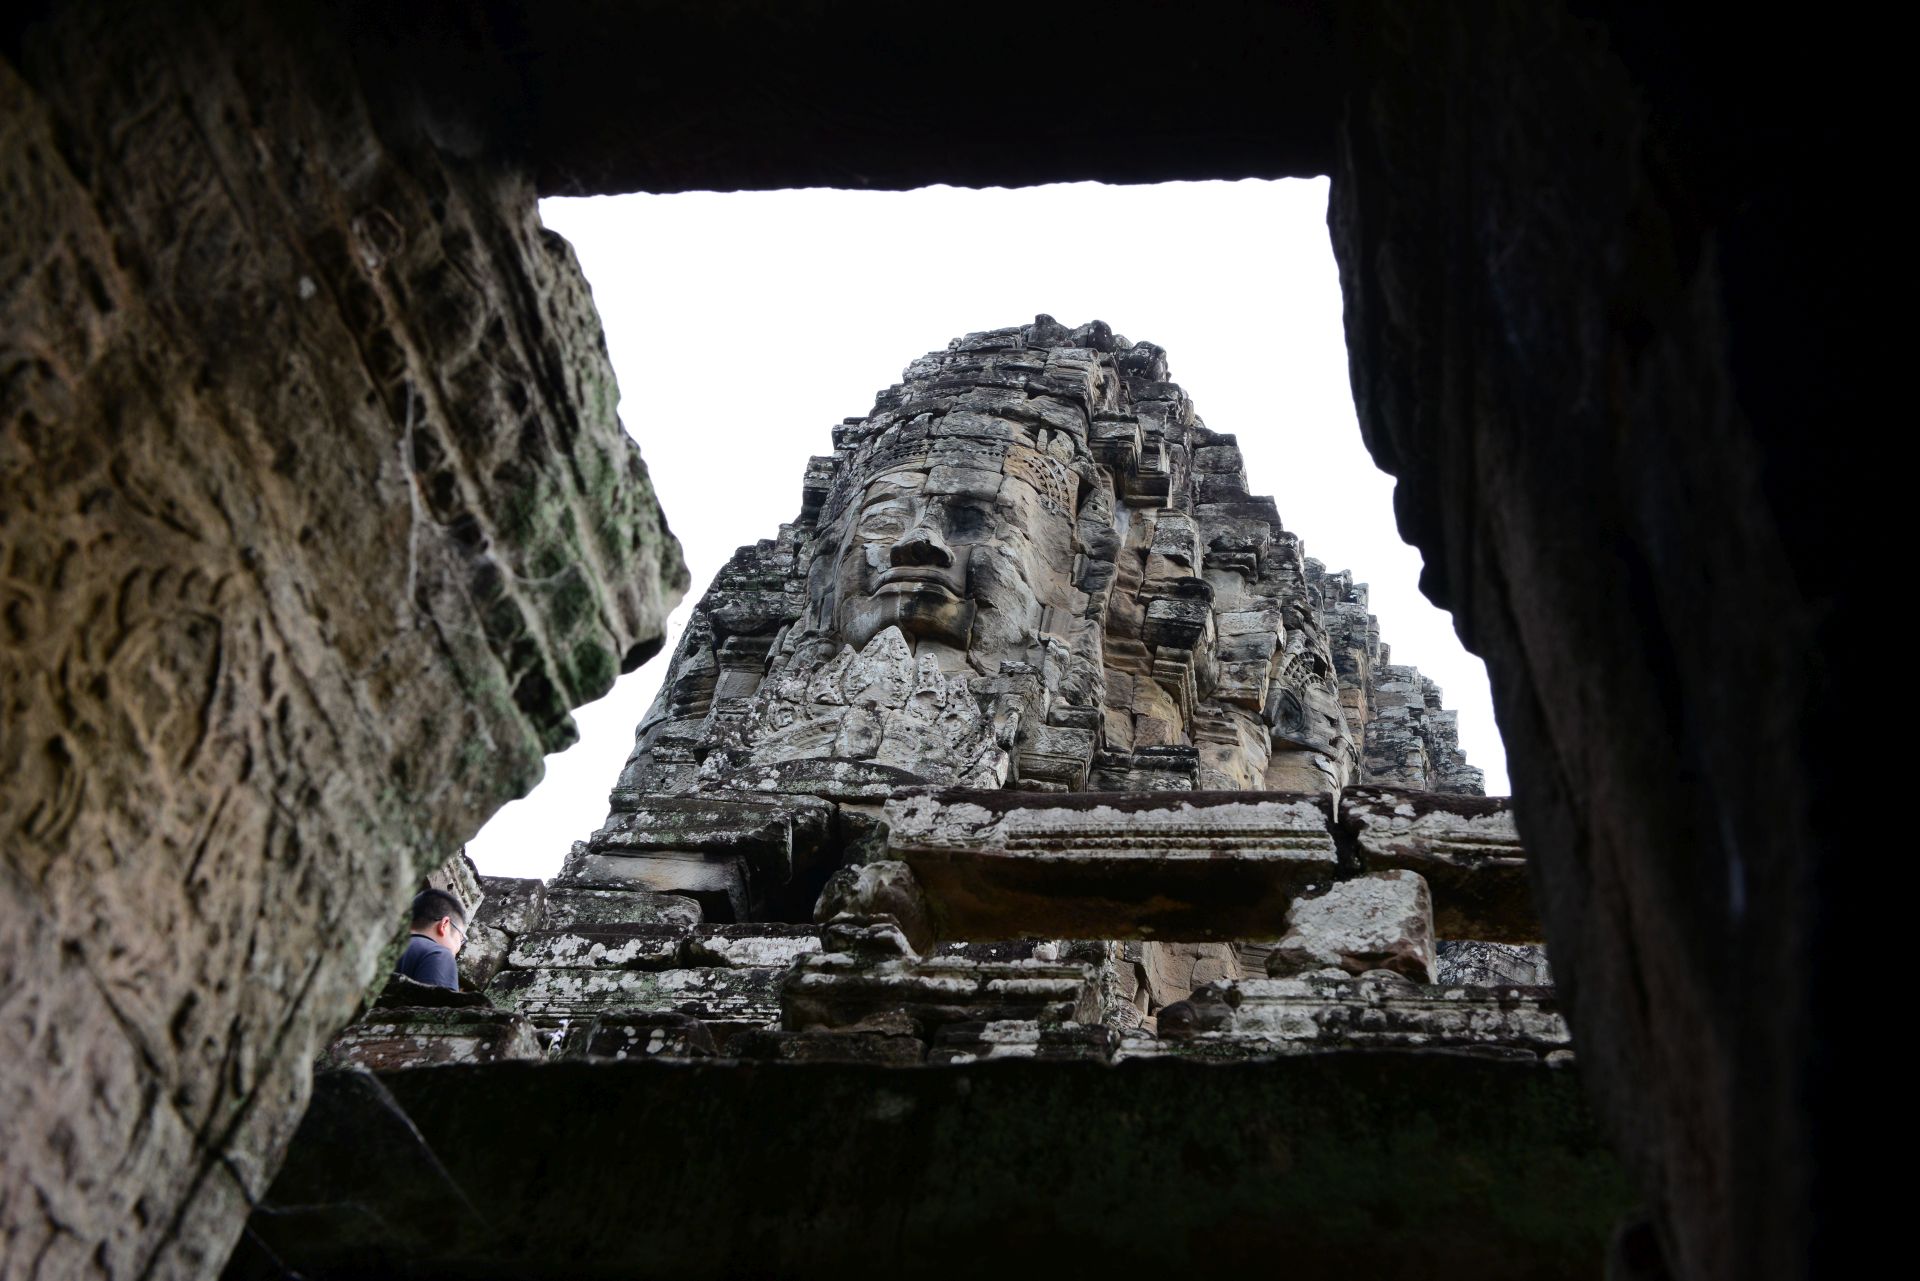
<point x="904" y="562"/>
<point x="1311" y="750"/>
<point x="966" y="557"/>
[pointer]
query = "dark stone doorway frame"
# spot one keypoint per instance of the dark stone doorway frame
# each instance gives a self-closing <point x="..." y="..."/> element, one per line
<point x="1588" y="340"/>
<point x="1600" y="333"/>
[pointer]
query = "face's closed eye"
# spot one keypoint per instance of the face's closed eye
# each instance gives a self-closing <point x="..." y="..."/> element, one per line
<point x="967" y="521"/>
<point x="887" y="520"/>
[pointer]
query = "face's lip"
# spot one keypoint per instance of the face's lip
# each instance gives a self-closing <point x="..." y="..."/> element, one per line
<point x="917" y="576"/>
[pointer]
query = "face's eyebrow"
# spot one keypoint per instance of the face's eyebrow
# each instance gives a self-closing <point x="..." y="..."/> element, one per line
<point x="888" y="509"/>
<point x="891" y="487"/>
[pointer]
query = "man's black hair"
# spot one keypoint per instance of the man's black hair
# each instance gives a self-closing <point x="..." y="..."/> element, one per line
<point x="431" y="905"/>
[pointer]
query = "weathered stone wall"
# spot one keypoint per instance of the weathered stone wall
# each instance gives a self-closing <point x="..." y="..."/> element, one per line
<point x="315" y="520"/>
<point x="1588" y="335"/>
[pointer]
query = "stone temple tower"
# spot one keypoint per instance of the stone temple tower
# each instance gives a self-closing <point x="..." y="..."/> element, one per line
<point x="1035" y="537"/>
<point x="1028" y="787"/>
<point x="1032" y="671"/>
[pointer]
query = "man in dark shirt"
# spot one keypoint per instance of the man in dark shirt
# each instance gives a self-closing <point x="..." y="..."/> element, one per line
<point x="439" y="928"/>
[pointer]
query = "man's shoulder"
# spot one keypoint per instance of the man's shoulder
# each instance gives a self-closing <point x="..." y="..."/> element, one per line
<point x="425" y="961"/>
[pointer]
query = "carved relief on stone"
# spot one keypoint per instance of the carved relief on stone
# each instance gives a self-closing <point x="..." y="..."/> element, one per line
<point x="881" y="704"/>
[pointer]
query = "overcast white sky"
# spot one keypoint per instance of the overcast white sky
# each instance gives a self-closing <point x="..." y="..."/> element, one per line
<point x="743" y="326"/>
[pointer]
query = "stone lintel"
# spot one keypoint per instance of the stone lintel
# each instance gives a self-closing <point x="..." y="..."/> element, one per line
<point x="820" y="778"/>
<point x="1187" y="866"/>
<point x="601" y="947"/>
<point x="633" y="1035"/>
<point x="663" y="947"/>
<point x="1010" y="1039"/>
<point x="732" y="851"/>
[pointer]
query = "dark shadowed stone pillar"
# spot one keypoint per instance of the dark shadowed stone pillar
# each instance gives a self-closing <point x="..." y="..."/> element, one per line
<point x="1587" y="339"/>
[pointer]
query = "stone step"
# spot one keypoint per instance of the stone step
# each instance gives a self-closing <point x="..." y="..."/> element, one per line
<point x="423" y="1036"/>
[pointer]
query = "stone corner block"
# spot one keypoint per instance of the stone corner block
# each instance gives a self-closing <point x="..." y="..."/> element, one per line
<point x="875" y="890"/>
<point x="1378" y="921"/>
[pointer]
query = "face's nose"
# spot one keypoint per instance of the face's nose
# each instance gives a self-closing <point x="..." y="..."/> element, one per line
<point x="923" y="546"/>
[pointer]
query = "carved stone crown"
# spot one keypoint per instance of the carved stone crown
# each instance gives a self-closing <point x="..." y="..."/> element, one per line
<point x="912" y="448"/>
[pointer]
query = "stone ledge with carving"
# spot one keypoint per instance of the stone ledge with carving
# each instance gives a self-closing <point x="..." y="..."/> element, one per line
<point x="946" y="1014"/>
<point x="1478" y="963"/>
<point x="917" y="997"/>
<point x="1261" y="1017"/>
